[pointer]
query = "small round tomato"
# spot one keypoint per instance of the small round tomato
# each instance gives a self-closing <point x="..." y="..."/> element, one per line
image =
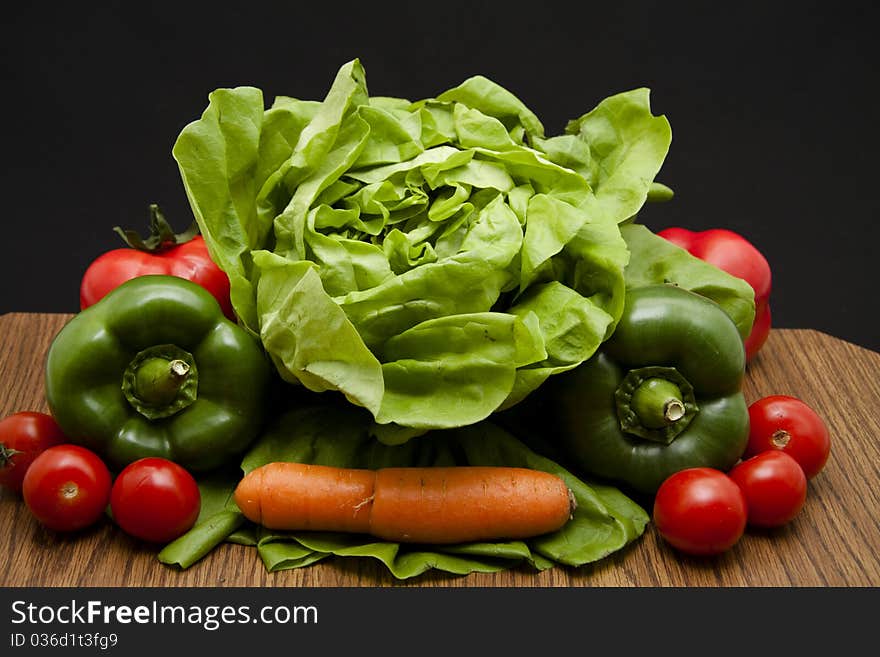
<point x="155" y="499"/>
<point x="67" y="487"/>
<point x="774" y="486"/>
<point x="700" y="511"/>
<point x="23" y="436"/>
<point x="781" y="422"/>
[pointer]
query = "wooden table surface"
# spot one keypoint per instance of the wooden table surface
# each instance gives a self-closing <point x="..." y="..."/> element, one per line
<point x="833" y="542"/>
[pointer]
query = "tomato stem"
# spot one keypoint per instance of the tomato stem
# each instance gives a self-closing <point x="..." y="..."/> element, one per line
<point x="6" y="454"/>
<point x="162" y="236"/>
<point x="780" y="438"/>
<point x="69" y="490"/>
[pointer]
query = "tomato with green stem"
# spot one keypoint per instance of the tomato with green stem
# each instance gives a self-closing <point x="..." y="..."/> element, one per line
<point x="184" y="255"/>
<point x="23" y="437"/>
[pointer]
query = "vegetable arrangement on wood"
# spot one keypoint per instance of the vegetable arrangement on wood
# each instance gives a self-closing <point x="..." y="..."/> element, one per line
<point x="423" y="332"/>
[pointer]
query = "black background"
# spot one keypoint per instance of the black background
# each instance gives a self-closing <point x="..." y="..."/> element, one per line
<point x="771" y="104"/>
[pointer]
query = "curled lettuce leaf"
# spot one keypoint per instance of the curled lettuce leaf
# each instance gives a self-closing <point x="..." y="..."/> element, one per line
<point x="432" y="261"/>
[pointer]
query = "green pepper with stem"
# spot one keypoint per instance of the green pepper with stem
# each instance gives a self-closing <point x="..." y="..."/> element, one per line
<point x="662" y="394"/>
<point x="156" y="369"/>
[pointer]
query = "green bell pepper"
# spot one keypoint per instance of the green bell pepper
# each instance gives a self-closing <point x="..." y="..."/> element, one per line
<point x="662" y="394"/>
<point x="155" y="369"/>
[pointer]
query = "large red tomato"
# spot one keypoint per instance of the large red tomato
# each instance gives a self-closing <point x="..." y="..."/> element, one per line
<point x="184" y="255"/>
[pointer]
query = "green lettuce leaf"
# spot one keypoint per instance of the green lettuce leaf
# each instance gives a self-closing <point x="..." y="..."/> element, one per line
<point x="618" y="148"/>
<point x="408" y="255"/>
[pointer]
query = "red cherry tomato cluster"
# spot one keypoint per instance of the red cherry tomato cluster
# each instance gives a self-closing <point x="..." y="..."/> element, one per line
<point x="737" y="256"/>
<point x="68" y="487"/>
<point x="704" y="511"/>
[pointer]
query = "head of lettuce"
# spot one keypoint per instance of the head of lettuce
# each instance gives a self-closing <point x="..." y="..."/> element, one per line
<point x="432" y="261"/>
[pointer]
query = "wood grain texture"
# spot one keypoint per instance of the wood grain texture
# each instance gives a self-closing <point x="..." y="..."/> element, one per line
<point x="834" y="542"/>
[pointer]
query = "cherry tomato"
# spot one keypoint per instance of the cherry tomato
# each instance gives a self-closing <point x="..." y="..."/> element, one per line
<point x="700" y="511"/>
<point x="155" y="500"/>
<point x="67" y="487"/>
<point x="23" y="436"/>
<point x="775" y="488"/>
<point x="734" y="254"/>
<point x="781" y="422"/>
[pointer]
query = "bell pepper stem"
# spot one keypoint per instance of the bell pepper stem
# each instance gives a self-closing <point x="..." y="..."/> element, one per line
<point x="673" y="410"/>
<point x="160" y="381"/>
<point x="657" y="403"/>
<point x="6" y="454"/>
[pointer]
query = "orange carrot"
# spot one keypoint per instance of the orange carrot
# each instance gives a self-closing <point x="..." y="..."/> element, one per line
<point x="417" y="505"/>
